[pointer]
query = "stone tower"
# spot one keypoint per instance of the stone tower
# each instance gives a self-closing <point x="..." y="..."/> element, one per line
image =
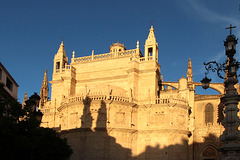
<point x="151" y="46"/>
<point x="60" y="59"/>
<point x="63" y="78"/>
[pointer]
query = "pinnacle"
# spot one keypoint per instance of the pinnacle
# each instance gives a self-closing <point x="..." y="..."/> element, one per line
<point x="45" y="74"/>
<point x="189" y="71"/>
<point x="151" y="36"/>
<point x="189" y="63"/>
<point x="151" y="29"/>
<point x="44" y="88"/>
<point x="45" y="81"/>
<point x="25" y="97"/>
<point x="61" y="49"/>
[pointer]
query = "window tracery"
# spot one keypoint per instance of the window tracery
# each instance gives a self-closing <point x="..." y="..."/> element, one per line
<point x="209" y="114"/>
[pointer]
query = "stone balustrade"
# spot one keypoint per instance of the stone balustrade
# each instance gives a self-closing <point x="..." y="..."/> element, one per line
<point x="98" y="97"/>
<point x="99" y="57"/>
<point x="92" y="97"/>
<point x="170" y="100"/>
<point x="157" y="100"/>
<point x="67" y="68"/>
<point x="123" y="99"/>
<point x="142" y="59"/>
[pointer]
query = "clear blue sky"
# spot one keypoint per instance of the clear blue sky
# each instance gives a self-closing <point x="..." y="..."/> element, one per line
<point x="31" y="32"/>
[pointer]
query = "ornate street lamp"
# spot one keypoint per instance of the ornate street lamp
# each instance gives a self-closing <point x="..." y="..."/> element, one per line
<point x="38" y="116"/>
<point x="34" y="115"/>
<point x="231" y="135"/>
<point x="205" y="82"/>
<point x="35" y="98"/>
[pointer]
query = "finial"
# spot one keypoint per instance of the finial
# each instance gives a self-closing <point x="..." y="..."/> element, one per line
<point x="62" y="43"/>
<point x="73" y="54"/>
<point x="230" y="28"/>
<point x="137" y="45"/>
<point x="92" y="54"/>
<point x="45" y="73"/>
<point x="151" y="29"/>
<point x="189" y="63"/>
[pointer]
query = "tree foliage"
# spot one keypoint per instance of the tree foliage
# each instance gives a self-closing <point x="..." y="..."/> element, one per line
<point x="22" y="138"/>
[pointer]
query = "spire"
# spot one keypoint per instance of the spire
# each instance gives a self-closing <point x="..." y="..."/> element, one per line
<point x="189" y="71"/>
<point x="24" y="100"/>
<point x="60" y="59"/>
<point x="44" y="90"/>
<point x="61" y="50"/>
<point x="151" y="37"/>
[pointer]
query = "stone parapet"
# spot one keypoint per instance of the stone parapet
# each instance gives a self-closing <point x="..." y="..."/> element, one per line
<point x="157" y="100"/>
<point x="99" y="57"/>
<point x="199" y="97"/>
<point x="170" y="100"/>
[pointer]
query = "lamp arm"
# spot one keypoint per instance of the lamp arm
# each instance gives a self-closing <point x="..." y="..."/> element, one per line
<point x="221" y="68"/>
<point x="213" y="66"/>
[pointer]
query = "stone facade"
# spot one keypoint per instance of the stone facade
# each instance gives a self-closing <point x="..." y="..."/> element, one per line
<point x="117" y="106"/>
<point x="8" y="85"/>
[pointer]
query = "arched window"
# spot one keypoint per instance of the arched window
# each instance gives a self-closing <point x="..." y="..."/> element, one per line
<point x="209" y="114"/>
<point x="58" y="65"/>
<point x="209" y="153"/>
<point x="150" y="50"/>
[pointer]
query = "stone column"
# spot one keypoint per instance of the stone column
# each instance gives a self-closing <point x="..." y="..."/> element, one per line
<point x="230" y="137"/>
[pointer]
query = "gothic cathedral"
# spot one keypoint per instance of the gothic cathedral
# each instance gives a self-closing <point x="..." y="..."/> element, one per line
<point x="116" y="106"/>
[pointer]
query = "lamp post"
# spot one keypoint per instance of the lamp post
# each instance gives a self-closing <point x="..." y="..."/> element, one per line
<point x="231" y="135"/>
<point x="34" y="116"/>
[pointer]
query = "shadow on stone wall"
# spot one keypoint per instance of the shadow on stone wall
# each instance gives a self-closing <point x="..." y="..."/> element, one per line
<point x="207" y="150"/>
<point x="94" y="143"/>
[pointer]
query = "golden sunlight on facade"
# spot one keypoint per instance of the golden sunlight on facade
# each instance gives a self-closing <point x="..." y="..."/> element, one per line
<point x="116" y="106"/>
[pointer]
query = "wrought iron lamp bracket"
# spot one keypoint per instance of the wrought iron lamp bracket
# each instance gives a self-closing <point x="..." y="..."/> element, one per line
<point x="213" y="66"/>
<point x="225" y="67"/>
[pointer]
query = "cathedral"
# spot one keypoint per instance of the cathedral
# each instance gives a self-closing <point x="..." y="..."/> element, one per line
<point x="116" y="106"/>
